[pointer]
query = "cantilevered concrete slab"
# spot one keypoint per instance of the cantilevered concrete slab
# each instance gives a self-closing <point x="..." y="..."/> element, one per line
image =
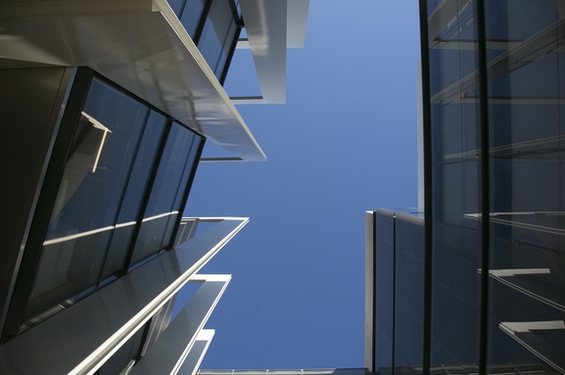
<point x="138" y="44"/>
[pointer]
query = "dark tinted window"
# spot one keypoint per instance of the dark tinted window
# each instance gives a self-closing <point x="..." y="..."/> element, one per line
<point x="168" y="181"/>
<point x="90" y="193"/>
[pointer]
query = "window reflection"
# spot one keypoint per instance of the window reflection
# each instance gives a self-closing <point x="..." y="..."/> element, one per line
<point x="525" y="80"/>
<point x="456" y="180"/>
<point x="153" y="235"/>
<point x="218" y="35"/>
<point x="106" y="180"/>
<point x="89" y="195"/>
<point x="528" y="260"/>
<point x="213" y="26"/>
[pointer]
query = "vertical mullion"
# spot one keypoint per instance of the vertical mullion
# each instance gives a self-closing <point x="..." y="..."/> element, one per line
<point x="202" y="22"/>
<point x="427" y="156"/>
<point x="485" y="179"/>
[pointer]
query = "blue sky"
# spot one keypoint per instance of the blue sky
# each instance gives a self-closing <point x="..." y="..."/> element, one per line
<point x="345" y="142"/>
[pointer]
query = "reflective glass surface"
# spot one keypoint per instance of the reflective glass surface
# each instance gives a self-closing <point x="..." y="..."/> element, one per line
<point x="174" y="161"/>
<point x="90" y="193"/>
<point x="191" y="16"/>
<point x="121" y="179"/>
<point x="526" y="83"/>
<point x="384" y="291"/>
<point x="398" y="293"/>
<point x="182" y="189"/>
<point x="524" y="80"/>
<point x="134" y="194"/>
<point x="456" y="181"/>
<point x="176" y="6"/>
<point x="409" y="294"/>
<point x="218" y="35"/>
<point x="213" y="25"/>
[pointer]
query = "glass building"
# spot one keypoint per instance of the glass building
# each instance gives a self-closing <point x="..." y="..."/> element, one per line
<point x="481" y="286"/>
<point x="106" y="107"/>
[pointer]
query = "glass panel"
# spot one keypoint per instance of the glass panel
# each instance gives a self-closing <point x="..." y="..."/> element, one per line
<point x="456" y="180"/>
<point x="191" y="15"/>
<point x="163" y="194"/>
<point x="384" y="292"/>
<point x="134" y="193"/>
<point x="217" y="35"/>
<point x="526" y="83"/>
<point x="409" y="295"/>
<point x="171" y="168"/>
<point x="176" y="6"/>
<point x="228" y="42"/>
<point x="189" y="169"/>
<point x="89" y="196"/>
<point x="191" y="164"/>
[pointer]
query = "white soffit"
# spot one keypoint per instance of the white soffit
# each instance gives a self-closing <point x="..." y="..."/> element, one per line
<point x="140" y="45"/>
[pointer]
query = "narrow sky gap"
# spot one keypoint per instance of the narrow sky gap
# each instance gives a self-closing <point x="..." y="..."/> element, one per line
<point x="344" y="142"/>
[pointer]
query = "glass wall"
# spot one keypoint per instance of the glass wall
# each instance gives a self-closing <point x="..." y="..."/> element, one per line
<point x="134" y="194"/>
<point x="172" y="176"/>
<point x="125" y="179"/>
<point x="526" y="84"/>
<point x="398" y="293"/>
<point x="456" y="182"/>
<point x="192" y="15"/>
<point x="384" y="291"/>
<point x="90" y="193"/>
<point x="523" y="77"/>
<point x="409" y="294"/>
<point x="218" y="34"/>
<point x="214" y="26"/>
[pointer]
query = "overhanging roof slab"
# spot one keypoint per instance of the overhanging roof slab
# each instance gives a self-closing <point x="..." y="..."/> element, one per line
<point x="141" y="46"/>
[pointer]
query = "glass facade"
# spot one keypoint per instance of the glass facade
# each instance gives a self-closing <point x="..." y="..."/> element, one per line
<point x="102" y="157"/>
<point x="124" y="171"/>
<point x="409" y="292"/>
<point x="496" y="81"/>
<point x="384" y="290"/>
<point x="172" y="176"/>
<point x="125" y="179"/>
<point x="398" y="292"/>
<point x="526" y="85"/>
<point x="490" y="255"/>
<point x="456" y="179"/>
<point x="214" y="26"/>
<point x="218" y="35"/>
